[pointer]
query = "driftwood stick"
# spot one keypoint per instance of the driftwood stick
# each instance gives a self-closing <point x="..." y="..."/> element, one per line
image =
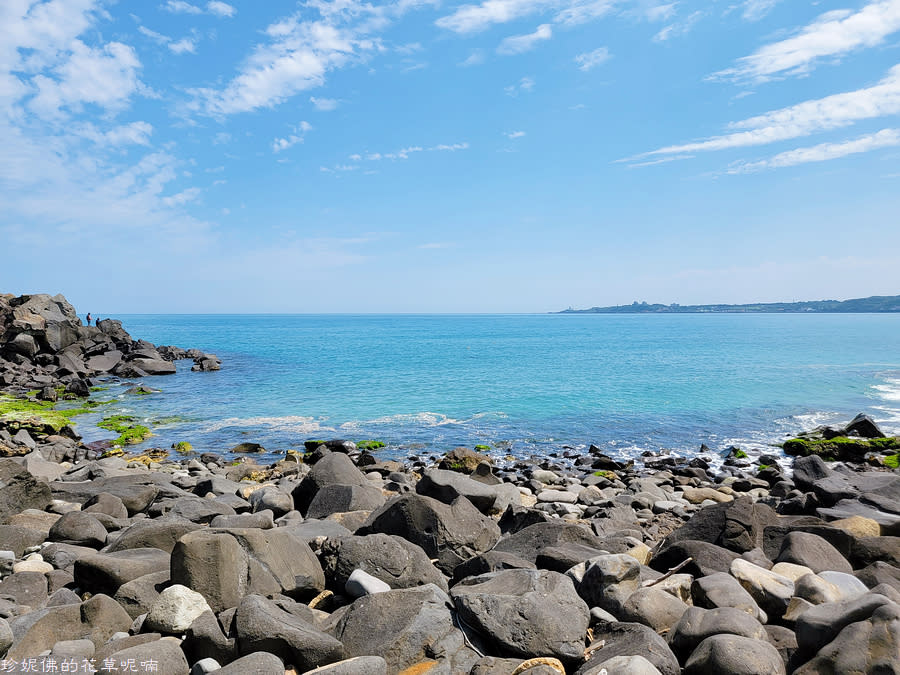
<point x="672" y="571"/>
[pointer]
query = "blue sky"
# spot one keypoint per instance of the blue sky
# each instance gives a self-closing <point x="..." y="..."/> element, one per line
<point x="419" y="156"/>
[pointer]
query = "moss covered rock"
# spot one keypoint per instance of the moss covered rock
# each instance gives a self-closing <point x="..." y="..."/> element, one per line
<point x="843" y="448"/>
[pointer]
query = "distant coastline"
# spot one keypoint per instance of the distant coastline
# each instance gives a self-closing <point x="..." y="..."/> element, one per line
<point x="875" y="303"/>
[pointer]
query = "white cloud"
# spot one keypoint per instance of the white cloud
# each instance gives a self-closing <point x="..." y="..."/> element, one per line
<point x="451" y="148"/>
<point x="475" y="18"/>
<point x="679" y="28"/>
<point x="280" y="144"/>
<point x="183" y="45"/>
<point x="659" y="12"/>
<point x="803" y="119"/>
<point x="526" y="84"/>
<point x="474" y="59"/>
<point x="215" y="7"/>
<point x="514" y="134"/>
<point x="410" y="48"/>
<point x="833" y="34"/>
<point x="480" y="17"/>
<point x="135" y="133"/>
<point x="324" y="104"/>
<point x="886" y="138"/>
<point x="434" y="245"/>
<point x="592" y="59"/>
<point x="220" y="8"/>
<point x="181" y="7"/>
<point x="182" y="198"/>
<point x="153" y="35"/>
<point x="754" y="10"/>
<point x="519" y="44"/>
<point x="299" y="56"/>
<point x="105" y="76"/>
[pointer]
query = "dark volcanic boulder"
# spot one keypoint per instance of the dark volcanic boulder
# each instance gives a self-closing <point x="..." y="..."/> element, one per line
<point x="451" y="533"/>
<point x="261" y="626"/>
<point x="224" y="565"/>
<point x="106" y="572"/>
<point x="161" y="533"/>
<point x="630" y="639"/>
<point x="19" y="490"/>
<point x="812" y="551"/>
<point x="335" y="468"/>
<point x="396" y="561"/>
<point x="734" y="655"/>
<point x="446" y="486"/>
<point x="697" y="624"/>
<point x="405" y="627"/>
<point x="343" y="498"/>
<point x="78" y="528"/>
<point x="527" y="613"/>
<point x="529" y="542"/>
<point x="870" y="646"/>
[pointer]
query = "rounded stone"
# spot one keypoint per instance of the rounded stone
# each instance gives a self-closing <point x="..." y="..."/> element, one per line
<point x="734" y="655"/>
<point x="175" y="610"/>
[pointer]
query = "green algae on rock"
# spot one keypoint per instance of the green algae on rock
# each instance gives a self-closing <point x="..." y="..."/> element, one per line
<point x="41" y="417"/>
<point x="840" y="447"/>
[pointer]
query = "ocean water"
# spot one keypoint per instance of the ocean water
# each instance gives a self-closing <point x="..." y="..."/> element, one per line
<point x="523" y="384"/>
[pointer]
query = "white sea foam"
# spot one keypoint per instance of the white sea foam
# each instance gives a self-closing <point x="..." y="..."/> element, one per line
<point x="889" y="391"/>
<point x="425" y="419"/>
<point x="294" y="423"/>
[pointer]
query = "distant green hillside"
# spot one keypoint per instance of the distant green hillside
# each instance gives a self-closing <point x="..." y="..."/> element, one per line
<point x="876" y="303"/>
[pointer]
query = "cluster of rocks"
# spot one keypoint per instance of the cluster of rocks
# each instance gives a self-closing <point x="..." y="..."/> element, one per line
<point x="45" y="347"/>
<point x="345" y="564"/>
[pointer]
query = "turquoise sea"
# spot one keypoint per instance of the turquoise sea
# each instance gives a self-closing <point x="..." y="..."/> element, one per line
<point x="523" y="384"/>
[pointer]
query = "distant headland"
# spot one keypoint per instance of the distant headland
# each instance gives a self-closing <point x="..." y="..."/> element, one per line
<point x="875" y="303"/>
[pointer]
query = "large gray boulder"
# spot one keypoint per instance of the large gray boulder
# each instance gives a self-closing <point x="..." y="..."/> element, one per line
<point x="654" y="607"/>
<point x="19" y="490"/>
<point x="224" y="565"/>
<point x="261" y="626"/>
<point x="527" y="613"/>
<point x="609" y="580"/>
<point x="697" y="624"/>
<point x="406" y="627"/>
<point x="335" y="468"/>
<point x="446" y="486"/>
<point x="869" y="646"/>
<point x="161" y="533"/>
<point x="531" y="541"/>
<point x="812" y="551"/>
<point x="394" y="560"/>
<point x="451" y="533"/>
<point x="723" y="590"/>
<point x="819" y="625"/>
<point x="106" y="572"/>
<point x="257" y="663"/>
<point x="165" y="653"/>
<point x="331" y="499"/>
<point x="80" y="529"/>
<point x="630" y="639"/>
<point x="734" y="655"/>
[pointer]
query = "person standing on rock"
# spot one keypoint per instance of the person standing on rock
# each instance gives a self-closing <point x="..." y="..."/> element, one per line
<point x="89" y="318"/>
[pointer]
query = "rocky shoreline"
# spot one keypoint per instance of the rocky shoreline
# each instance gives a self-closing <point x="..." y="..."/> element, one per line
<point x="335" y="561"/>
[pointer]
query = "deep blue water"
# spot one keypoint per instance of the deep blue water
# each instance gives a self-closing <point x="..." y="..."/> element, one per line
<point x="524" y="384"/>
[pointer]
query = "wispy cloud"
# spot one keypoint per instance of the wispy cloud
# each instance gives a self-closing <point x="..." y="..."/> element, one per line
<point x="833" y="34"/>
<point x="519" y="44"/>
<point x="754" y="10"/>
<point x="514" y="134"/>
<point x="886" y="138"/>
<point x="802" y="119"/>
<point x="215" y="8"/>
<point x="324" y="104"/>
<point x="183" y="45"/>
<point x="592" y="59"/>
<point x="220" y="8"/>
<point x="679" y="28"/>
<point x="474" y="59"/>
<point x="526" y="84"/>
<point x="479" y="17"/>
<point x="281" y="144"/>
